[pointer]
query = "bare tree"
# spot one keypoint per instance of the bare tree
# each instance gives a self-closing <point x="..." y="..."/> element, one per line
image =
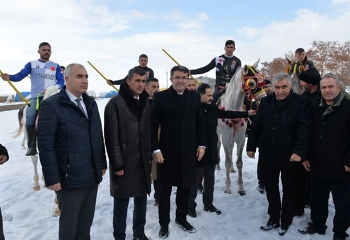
<point x="330" y="56"/>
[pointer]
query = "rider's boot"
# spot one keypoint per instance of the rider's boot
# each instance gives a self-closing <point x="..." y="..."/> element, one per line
<point x="31" y="151"/>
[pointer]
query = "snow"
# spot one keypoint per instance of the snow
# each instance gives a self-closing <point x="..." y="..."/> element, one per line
<point x="27" y="214"/>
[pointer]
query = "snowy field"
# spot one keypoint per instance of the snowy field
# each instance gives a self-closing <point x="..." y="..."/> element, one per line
<point x="27" y="214"/>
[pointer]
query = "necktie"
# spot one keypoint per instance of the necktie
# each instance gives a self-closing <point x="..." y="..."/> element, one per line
<point x="81" y="108"/>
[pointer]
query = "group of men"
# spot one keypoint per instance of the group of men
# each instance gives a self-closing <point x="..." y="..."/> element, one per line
<point x="176" y="128"/>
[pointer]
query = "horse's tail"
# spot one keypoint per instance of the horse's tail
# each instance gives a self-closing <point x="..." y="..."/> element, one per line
<point x="20" y="122"/>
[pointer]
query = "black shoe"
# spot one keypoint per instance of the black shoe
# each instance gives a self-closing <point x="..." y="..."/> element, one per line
<point x="31" y="151"/>
<point x="192" y="213"/>
<point x="269" y="225"/>
<point x="164" y="232"/>
<point x="283" y="229"/>
<point x="336" y="238"/>
<point x="156" y="202"/>
<point x="141" y="238"/>
<point x="186" y="226"/>
<point x="261" y="188"/>
<point x="211" y="208"/>
<point x="311" y="230"/>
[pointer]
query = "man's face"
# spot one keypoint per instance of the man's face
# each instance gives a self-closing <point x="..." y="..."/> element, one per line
<point x="282" y="89"/>
<point x="300" y="56"/>
<point x="191" y="85"/>
<point x="179" y="81"/>
<point x="77" y="82"/>
<point x="45" y="53"/>
<point x="207" y="98"/>
<point x="152" y="88"/>
<point x="137" y="84"/>
<point x="143" y="62"/>
<point x="305" y="85"/>
<point x="229" y="49"/>
<point x="268" y="88"/>
<point x="329" y="89"/>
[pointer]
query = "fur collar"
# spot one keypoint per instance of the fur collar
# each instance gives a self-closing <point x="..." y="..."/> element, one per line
<point x="135" y="106"/>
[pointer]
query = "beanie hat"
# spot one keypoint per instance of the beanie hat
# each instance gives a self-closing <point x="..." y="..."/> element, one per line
<point x="311" y="76"/>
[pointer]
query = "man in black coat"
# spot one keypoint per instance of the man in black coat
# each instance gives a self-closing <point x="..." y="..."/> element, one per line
<point x="128" y="142"/>
<point x="282" y="124"/>
<point x="72" y="152"/>
<point x="210" y="158"/>
<point x="177" y="111"/>
<point x="143" y="61"/>
<point x="328" y="159"/>
<point x="310" y="82"/>
<point x="4" y="157"/>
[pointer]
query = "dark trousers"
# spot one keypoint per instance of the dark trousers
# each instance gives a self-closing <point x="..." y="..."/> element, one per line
<point x="156" y="190"/>
<point x="302" y="189"/>
<point x="77" y="212"/>
<point x="120" y="213"/>
<point x="2" y="236"/>
<point x="319" y="204"/>
<point x="277" y="209"/>
<point x="208" y="190"/>
<point x="259" y="173"/>
<point x="182" y="197"/>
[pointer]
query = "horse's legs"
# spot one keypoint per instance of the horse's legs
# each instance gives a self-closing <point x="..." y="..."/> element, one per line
<point x="24" y="139"/>
<point x="228" y="164"/>
<point x="36" y="176"/>
<point x="57" y="211"/>
<point x="218" y="149"/>
<point x="239" y="165"/>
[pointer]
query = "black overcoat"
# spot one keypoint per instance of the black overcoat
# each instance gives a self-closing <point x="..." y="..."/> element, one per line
<point x="283" y="130"/>
<point x="127" y="132"/>
<point x="182" y="130"/>
<point x="330" y="143"/>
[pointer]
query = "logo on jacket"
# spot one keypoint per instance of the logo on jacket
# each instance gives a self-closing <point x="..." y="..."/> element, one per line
<point x="52" y="68"/>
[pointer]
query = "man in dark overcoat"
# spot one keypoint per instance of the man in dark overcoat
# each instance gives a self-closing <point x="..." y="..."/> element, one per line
<point x="177" y="111"/>
<point x="72" y="152"/>
<point x="282" y="124"/>
<point x="128" y="141"/>
<point x="206" y="166"/>
<point x="328" y="159"/>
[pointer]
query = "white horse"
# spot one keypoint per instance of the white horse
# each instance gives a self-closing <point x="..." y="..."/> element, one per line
<point x="248" y="81"/>
<point x="21" y="121"/>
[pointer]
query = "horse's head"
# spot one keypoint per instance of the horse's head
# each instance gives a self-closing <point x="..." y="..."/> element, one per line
<point x="253" y="82"/>
<point x="294" y="69"/>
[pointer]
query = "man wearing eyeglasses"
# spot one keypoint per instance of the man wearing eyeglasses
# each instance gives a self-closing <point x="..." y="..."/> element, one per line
<point x="177" y="112"/>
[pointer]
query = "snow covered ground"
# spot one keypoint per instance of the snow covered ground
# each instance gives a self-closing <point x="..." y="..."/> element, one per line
<point x="27" y="214"/>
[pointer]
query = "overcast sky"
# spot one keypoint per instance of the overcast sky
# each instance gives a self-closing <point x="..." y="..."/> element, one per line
<point x="112" y="34"/>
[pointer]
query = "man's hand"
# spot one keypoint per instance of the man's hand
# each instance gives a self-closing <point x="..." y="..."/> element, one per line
<point x="295" y="158"/>
<point x="251" y="112"/>
<point x="109" y="82"/>
<point x="5" y="76"/>
<point x="251" y="154"/>
<point x="200" y="153"/>
<point x="119" y="173"/>
<point x="158" y="157"/>
<point x="103" y="172"/>
<point x="3" y="159"/>
<point x="56" y="187"/>
<point x="347" y="168"/>
<point x="306" y="165"/>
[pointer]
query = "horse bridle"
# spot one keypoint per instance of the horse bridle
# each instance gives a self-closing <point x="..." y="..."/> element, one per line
<point x="252" y="85"/>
